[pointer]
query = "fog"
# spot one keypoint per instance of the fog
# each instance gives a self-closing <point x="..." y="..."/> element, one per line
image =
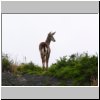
<point x="75" y="33"/>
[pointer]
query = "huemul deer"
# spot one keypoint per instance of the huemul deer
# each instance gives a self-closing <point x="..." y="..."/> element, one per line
<point x="44" y="48"/>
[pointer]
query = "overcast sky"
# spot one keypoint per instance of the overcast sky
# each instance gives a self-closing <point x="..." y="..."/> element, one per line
<point x="22" y="33"/>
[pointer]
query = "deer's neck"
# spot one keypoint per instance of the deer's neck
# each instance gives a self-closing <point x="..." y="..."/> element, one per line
<point x="48" y="40"/>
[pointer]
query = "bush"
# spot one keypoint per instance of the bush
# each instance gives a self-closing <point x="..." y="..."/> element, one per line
<point x="6" y="63"/>
<point x="78" y="68"/>
<point x="29" y="68"/>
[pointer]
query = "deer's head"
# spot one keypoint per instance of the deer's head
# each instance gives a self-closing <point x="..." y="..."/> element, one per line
<point x="51" y="36"/>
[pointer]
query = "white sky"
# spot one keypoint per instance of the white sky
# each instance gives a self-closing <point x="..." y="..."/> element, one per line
<point x="22" y="33"/>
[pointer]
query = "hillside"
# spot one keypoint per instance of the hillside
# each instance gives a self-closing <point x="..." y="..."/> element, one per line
<point x="77" y="70"/>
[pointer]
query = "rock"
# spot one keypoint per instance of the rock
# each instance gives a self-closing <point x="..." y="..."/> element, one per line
<point x="8" y="79"/>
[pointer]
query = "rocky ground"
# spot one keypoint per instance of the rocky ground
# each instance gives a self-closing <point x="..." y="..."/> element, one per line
<point x="8" y="79"/>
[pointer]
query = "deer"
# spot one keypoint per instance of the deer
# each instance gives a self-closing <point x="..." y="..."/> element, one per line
<point x="44" y="48"/>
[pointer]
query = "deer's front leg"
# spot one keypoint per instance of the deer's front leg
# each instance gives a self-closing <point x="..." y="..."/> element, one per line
<point x="47" y="65"/>
<point x="47" y="58"/>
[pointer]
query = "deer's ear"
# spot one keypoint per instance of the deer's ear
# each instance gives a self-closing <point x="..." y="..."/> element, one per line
<point x="49" y="33"/>
<point x="53" y="33"/>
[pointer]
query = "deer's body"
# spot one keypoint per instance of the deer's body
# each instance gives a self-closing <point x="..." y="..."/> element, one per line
<point x="44" y="48"/>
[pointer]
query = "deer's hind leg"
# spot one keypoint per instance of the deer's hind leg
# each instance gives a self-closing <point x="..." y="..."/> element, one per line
<point x="47" y="58"/>
<point x="43" y="63"/>
<point x="46" y="64"/>
<point x="42" y="58"/>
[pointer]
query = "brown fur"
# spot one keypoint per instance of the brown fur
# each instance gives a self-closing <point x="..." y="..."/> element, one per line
<point x="44" y="48"/>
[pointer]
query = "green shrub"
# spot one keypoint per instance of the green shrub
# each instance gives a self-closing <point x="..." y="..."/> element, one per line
<point x="29" y="68"/>
<point x="6" y="63"/>
<point x="78" y="68"/>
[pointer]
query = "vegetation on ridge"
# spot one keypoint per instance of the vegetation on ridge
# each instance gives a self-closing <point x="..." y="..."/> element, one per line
<point x="81" y="69"/>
